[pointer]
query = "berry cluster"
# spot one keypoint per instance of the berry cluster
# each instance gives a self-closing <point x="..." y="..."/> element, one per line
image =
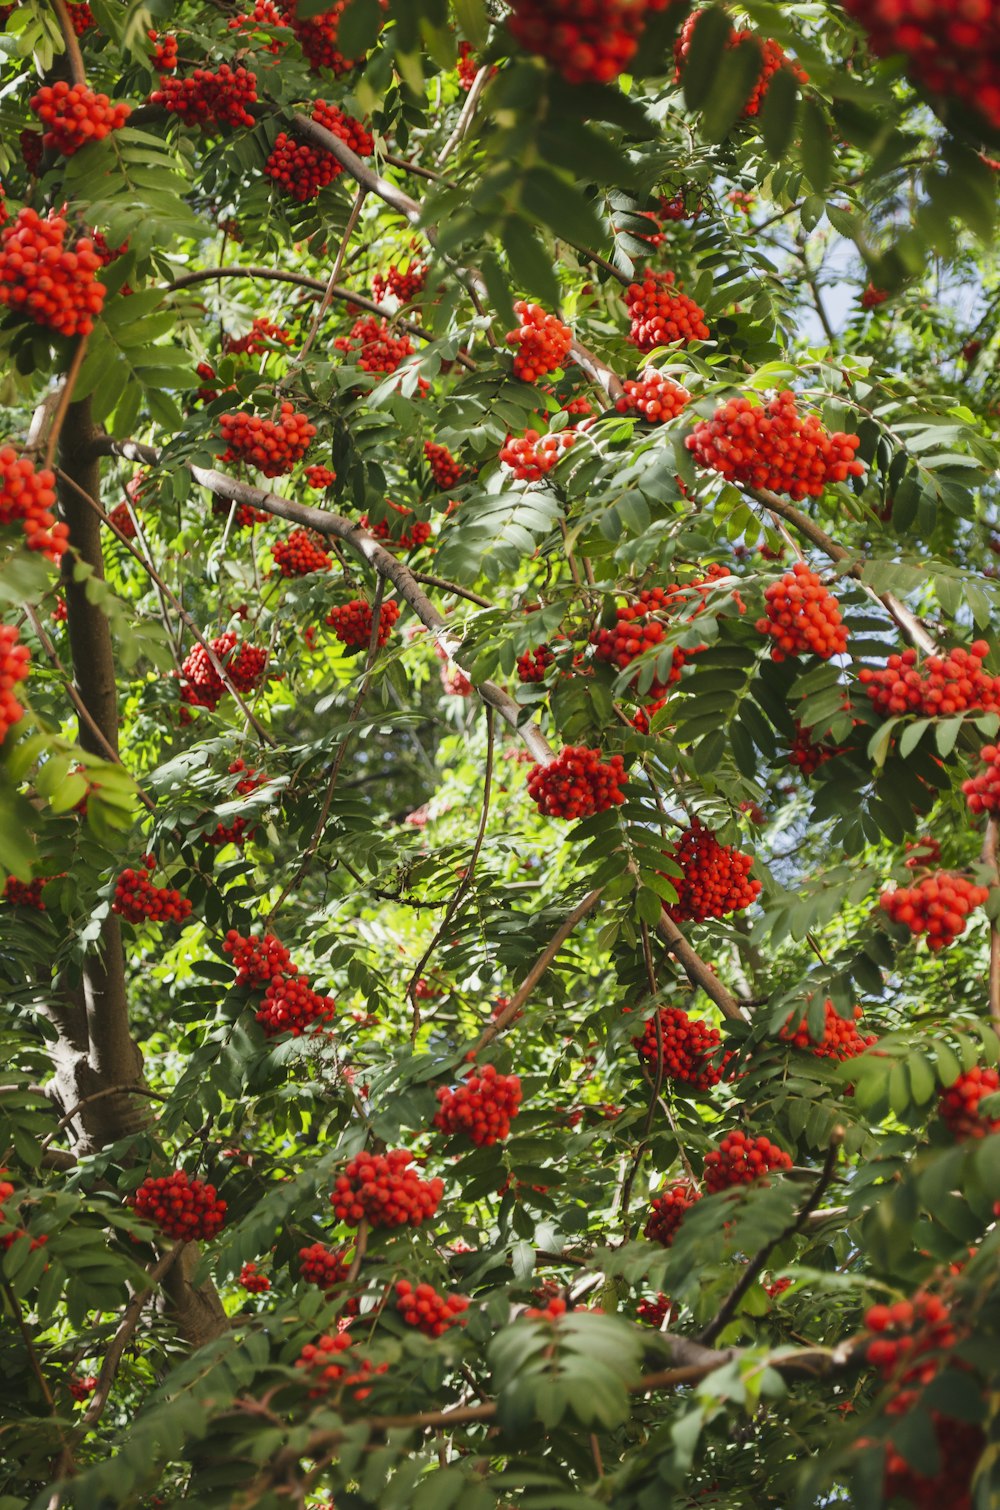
<point x="445" y="470"/>
<point x="239" y="830"/>
<point x="121" y="519"/>
<point x="588" y="43"/>
<point x="81" y="16"/>
<point x="772" y="57"/>
<point x="938" y="906"/>
<point x="263" y="14"/>
<point x="15" y="663"/>
<point x="272" y="446"/>
<point x="74" y="115"/>
<point x="841" y="1039"/>
<point x="258" y="961"/>
<point x="301" y="169"/>
<point x="253" y="1281"/>
<point x="82" y="1386"/>
<point x="136" y="899"/>
<point x="481" y="1107"/>
<point x="542" y="340"/>
<point x="982" y="791"/>
<point x="184" y="1209"/>
<point x="533" y="665"/>
<point x="715" y="878"/>
<point x="661" y="315"/>
<point x="802" y="618"/>
<point x="951" y="49"/>
<point x="27" y="498"/>
<point x="656" y="1311"/>
<point x="740" y="1160"/>
<point x="290" y="1005"/>
<point x="263" y="333"/>
<point x="407" y="538"/>
<point x="320" y="1360"/>
<point x="299" y="554"/>
<point x="382" y="1189"/>
<point x="807" y="754"/>
<point x="352" y="623"/>
<point x="690" y="1048"/>
<point x="531" y="455"/>
<point x="32" y="151"/>
<point x="667" y="1210"/>
<point x="422" y="1307"/>
<point x="320" y="477"/>
<point x="403" y="284"/>
<point x="25" y="894"/>
<point x="322" y="1266"/>
<point x="205" y="98"/>
<point x="245" y="516"/>
<point x="774" y="447"/>
<point x="909" y="1338"/>
<point x="164" y="51"/>
<point x="959" y="1104"/>
<point x="638" y="628"/>
<point x="466" y="67"/>
<point x="53" y="283"/>
<point x="377" y="348"/>
<point x="939" y="687"/>
<point x="8" y="1239"/>
<point x="203" y="687"/>
<point x="872" y="297"/>
<point x="652" y="395"/>
<point x="577" y="783"/>
<point x="317" y="36"/>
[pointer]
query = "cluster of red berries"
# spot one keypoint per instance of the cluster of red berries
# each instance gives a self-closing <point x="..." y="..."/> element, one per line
<point x="15" y="662"/>
<point x="74" y="115"/>
<point x="959" y="1104"/>
<point x="667" y="1210"/>
<point x="290" y="1005"/>
<point x="383" y="1190"/>
<point x="715" y="880"/>
<point x="301" y="169"/>
<point x="656" y="1311"/>
<point x="656" y="397"/>
<point x="244" y="664"/>
<point x="184" y="1209"/>
<point x="422" y="1307"/>
<point x="588" y="43"/>
<point x="577" y="783"/>
<point x="466" y="67"/>
<point x="253" y="1281"/>
<point x="531" y="455"/>
<point x="661" y="315"/>
<point x="320" y="477"/>
<point x="403" y="284"/>
<point x="352" y="623"/>
<point x="272" y="446"/>
<point x="321" y="1360"/>
<point x="322" y="1266"/>
<point x="774" y="447"/>
<point x="937" y="907"/>
<point x="481" y="1107"/>
<point x="27" y="498"/>
<point x="32" y="151"/>
<point x="317" y="36"/>
<point x="638" y="628"/>
<point x="299" y="554"/>
<point x="53" y="283"/>
<point x="690" y="1049"/>
<point x="245" y="516"/>
<point x="872" y="297"/>
<point x="378" y="350"/>
<point x="951" y="49"/>
<point x="164" y="51"/>
<point x="81" y="16"/>
<point x="982" y="792"/>
<point x="909" y="1338"/>
<point x="772" y="58"/>
<point x="121" y="520"/>
<point x="81" y="1386"/>
<point x="258" y="961"/>
<point x="238" y="831"/>
<point x="807" y="754"/>
<point x="533" y="665"/>
<point x="542" y="341"/>
<point x="25" y="894"/>
<point x="255" y="342"/>
<point x="8" y="1239"/>
<point x="445" y="470"/>
<point x="740" y="1160"/>
<point x="136" y="899"/>
<point x="959" y="1446"/>
<point x="407" y="538"/>
<point x="205" y="98"/>
<point x="802" y="618"/>
<point x="939" y="687"/>
<point x="841" y="1039"/>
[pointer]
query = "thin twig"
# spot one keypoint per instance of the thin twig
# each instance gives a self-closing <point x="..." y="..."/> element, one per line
<point x="119" y="1342"/>
<point x="74" y="56"/>
<point x="465" y="117"/>
<point x="991" y="844"/>
<point x="360" y="1249"/>
<point x="109" y="1090"/>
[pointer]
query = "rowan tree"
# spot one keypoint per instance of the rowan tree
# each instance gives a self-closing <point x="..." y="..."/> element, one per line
<point x="499" y="699"/>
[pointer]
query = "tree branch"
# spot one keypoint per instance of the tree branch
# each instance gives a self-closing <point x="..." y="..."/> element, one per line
<point x="991" y="844"/>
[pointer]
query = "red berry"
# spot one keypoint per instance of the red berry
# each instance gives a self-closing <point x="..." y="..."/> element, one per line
<point x="352" y="623"/>
<point x="322" y="1266"/>
<point x="542" y="341"/>
<point x="840" y="1039"/>
<point x="272" y="446"/>
<point x="531" y="455"/>
<point x="577" y="783"/>
<point x="690" y="1049"/>
<point x="959" y="1104"/>
<point x="422" y="1307"/>
<point x="75" y="115"/>
<point x="982" y="792"/>
<point x="939" y="687"/>
<point x="317" y="35"/>
<point x="184" y="1209"/>
<point x="51" y="281"/>
<point x="137" y="899"/>
<point x="301" y="169"/>
<point x="772" y="58"/>
<point x="445" y="470"/>
<point x="774" y="447"/>
<point x="937" y="906"/>
<point x="741" y="1160"/>
<point x="667" y="1210"/>
<point x="384" y="1190"/>
<point x="481" y="1108"/>
<point x="261" y="336"/>
<point x="802" y="618"/>
<point x="715" y="878"/>
<point x="27" y="498"/>
<point x="376" y="347"/>
<point x="403" y="284"/>
<point x="208" y="99"/>
<point x="258" y="961"/>
<point x="661" y="315"/>
<point x="299" y="554"/>
<point x="253" y="1281"/>
<point x="290" y="1005"/>
<point x="655" y="397"/>
<point x="407" y="537"/>
<point x="590" y="42"/>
